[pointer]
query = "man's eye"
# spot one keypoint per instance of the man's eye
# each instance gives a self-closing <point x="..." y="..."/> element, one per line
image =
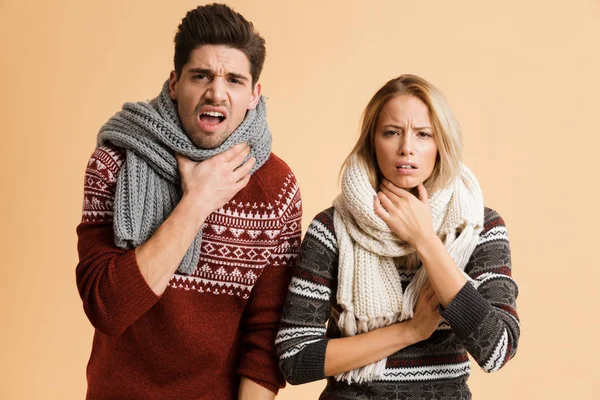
<point x="200" y="76"/>
<point x="235" y="81"/>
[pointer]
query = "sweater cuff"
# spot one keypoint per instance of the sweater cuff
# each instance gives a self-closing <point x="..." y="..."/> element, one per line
<point x="466" y="311"/>
<point x="312" y="367"/>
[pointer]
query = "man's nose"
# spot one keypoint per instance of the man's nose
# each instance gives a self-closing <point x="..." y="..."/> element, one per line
<point x="217" y="90"/>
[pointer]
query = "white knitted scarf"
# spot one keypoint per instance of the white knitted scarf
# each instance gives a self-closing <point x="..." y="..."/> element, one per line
<point x="369" y="288"/>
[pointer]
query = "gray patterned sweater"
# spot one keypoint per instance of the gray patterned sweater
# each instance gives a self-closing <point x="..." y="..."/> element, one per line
<point x="481" y="321"/>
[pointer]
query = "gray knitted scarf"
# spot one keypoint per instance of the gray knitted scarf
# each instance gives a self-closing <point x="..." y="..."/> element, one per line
<point x="149" y="185"/>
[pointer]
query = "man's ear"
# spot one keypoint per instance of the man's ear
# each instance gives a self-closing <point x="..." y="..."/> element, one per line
<point x="255" y="96"/>
<point x="173" y="85"/>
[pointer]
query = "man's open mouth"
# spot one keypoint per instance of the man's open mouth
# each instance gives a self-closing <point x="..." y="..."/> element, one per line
<point x="212" y="117"/>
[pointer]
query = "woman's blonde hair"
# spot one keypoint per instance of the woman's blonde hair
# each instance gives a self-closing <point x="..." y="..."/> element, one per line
<point x="446" y="130"/>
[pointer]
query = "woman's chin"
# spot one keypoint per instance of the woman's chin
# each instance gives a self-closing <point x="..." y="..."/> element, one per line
<point x="406" y="184"/>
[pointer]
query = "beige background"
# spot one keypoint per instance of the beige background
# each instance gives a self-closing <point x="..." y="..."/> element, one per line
<point x="522" y="77"/>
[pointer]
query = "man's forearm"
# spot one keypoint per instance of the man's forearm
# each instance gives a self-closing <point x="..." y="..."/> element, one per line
<point x="160" y="256"/>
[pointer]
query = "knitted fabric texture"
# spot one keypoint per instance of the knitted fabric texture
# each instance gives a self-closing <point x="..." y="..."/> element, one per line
<point x="149" y="185"/>
<point x="369" y="287"/>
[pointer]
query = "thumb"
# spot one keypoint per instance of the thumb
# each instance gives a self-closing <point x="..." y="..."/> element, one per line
<point x="183" y="162"/>
<point x="423" y="196"/>
<point x="181" y="159"/>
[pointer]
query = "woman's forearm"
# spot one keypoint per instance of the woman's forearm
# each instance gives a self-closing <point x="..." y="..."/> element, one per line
<point x="348" y="353"/>
<point x="446" y="279"/>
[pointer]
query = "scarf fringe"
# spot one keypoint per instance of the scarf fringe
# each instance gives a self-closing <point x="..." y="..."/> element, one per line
<point x="368" y="281"/>
<point x="350" y="325"/>
<point x="363" y="374"/>
<point x="411" y="294"/>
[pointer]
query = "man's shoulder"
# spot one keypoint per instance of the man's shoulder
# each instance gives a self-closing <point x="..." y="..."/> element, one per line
<point x="100" y="183"/>
<point x="275" y="185"/>
<point x="106" y="160"/>
<point x="275" y="174"/>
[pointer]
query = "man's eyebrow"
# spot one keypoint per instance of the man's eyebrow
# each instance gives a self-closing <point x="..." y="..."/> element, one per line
<point x="238" y="76"/>
<point x="200" y="71"/>
<point x="206" y="71"/>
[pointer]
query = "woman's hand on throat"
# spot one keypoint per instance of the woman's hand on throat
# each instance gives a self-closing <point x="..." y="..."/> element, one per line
<point x="407" y="216"/>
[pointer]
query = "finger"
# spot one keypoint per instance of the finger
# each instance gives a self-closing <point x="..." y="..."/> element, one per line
<point x="181" y="160"/>
<point x="398" y="191"/>
<point x="385" y="202"/>
<point x="231" y="153"/>
<point x="379" y="210"/>
<point x="392" y="196"/>
<point x="434" y="302"/>
<point x="430" y="293"/>
<point x="428" y="288"/>
<point x="423" y="195"/>
<point x="242" y="182"/>
<point x="239" y="158"/>
<point x="244" y="169"/>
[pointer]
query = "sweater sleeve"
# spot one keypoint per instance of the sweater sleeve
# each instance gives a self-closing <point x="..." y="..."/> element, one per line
<point x="301" y="341"/>
<point x="110" y="284"/>
<point x="263" y="310"/>
<point x="483" y="314"/>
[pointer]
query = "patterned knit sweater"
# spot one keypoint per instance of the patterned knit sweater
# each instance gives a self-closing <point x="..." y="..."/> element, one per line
<point x="481" y="321"/>
<point x="207" y="329"/>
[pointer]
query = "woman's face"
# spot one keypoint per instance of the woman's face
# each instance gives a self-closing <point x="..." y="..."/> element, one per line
<point x="405" y="145"/>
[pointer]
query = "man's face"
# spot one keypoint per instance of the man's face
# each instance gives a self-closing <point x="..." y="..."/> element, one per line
<point x="213" y="94"/>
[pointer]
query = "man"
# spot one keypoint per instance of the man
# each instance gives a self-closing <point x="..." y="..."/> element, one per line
<point x="190" y="228"/>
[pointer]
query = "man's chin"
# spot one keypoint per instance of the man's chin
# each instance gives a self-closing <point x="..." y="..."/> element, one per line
<point x="206" y="141"/>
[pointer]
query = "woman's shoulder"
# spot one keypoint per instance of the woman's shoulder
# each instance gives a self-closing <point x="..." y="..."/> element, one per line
<point x="325" y="218"/>
<point x="322" y="228"/>
<point x="494" y="227"/>
<point x="491" y="218"/>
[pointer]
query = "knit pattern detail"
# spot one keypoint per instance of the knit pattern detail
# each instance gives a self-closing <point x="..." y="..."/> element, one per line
<point x="481" y="321"/>
<point x="239" y="239"/>
<point x="100" y="175"/>
<point x="149" y="184"/>
<point x="369" y="287"/>
<point x="223" y="317"/>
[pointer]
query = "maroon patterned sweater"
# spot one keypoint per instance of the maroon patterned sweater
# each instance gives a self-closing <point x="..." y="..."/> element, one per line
<point x="207" y="329"/>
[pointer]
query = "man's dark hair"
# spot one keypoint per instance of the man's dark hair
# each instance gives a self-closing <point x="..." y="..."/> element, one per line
<point x="218" y="24"/>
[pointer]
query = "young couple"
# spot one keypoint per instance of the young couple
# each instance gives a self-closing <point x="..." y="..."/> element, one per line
<point x="193" y="274"/>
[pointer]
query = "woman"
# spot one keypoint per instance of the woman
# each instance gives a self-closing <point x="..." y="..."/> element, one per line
<point x="409" y="268"/>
